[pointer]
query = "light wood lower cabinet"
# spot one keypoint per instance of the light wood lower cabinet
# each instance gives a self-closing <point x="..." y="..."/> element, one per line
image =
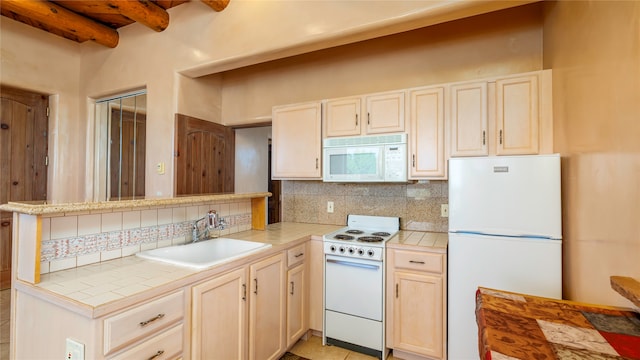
<point x="267" y="308"/>
<point x="297" y="293"/>
<point x="219" y="317"/>
<point x="219" y="313"/>
<point x="416" y="304"/>
<point x="296" y="304"/>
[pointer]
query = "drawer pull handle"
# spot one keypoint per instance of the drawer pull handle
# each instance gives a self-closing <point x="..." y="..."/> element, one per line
<point x="299" y="255"/>
<point x="416" y="262"/>
<point x="160" y="352"/>
<point x="256" y="290"/>
<point x="147" y="322"/>
<point x="292" y="285"/>
<point x="244" y="292"/>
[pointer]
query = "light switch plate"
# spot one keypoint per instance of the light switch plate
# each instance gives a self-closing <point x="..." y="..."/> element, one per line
<point x="329" y="206"/>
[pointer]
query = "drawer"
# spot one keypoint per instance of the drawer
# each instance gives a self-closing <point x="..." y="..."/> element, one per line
<point x="142" y="321"/>
<point x="421" y="261"/>
<point x="296" y="255"/>
<point x="164" y="346"/>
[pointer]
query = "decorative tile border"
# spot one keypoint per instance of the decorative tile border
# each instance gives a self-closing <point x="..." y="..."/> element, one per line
<point x="78" y="250"/>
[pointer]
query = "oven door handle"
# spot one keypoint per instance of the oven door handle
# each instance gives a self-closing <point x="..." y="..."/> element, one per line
<point x="354" y="264"/>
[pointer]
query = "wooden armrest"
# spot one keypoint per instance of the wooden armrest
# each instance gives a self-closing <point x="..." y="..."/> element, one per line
<point x="627" y="287"/>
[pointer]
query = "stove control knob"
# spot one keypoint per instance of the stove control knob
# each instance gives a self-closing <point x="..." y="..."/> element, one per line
<point x="370" y="252"/>
<point x="332" y="248"/>
<point x="351" y="251"/>
<point x="341" y="249"/>
<point x="360" y="252"/>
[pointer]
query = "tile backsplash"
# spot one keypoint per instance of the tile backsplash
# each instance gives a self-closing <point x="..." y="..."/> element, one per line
<point x="79" y="239"/>
<point x="417" y="204"/>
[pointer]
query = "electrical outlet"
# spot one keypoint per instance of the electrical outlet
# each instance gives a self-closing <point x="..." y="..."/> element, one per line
<point x="444" y="210"/>
<point x="74" y="350"/>
<point x="330" y="206"/>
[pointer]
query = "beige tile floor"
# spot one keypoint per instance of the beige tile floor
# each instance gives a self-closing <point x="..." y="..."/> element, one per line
<point x="5" y="306"/>
<point x="313" y="349"/>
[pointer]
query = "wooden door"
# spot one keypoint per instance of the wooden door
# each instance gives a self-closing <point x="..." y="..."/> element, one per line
<point x="127" y="154"/>
<point x="267" y="309"/>
<point x="219" y="320"/>
<point x="205" y="157"/>
<point x="23" y="160"/>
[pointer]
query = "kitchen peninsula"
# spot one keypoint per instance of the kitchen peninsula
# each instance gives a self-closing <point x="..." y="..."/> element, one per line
<point x="127" y="307"/>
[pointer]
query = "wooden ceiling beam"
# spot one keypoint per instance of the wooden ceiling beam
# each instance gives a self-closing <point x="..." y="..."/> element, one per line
<point x="217" y="5"/>
<point x="62" y="19"/>
<point x="142" y="11"/>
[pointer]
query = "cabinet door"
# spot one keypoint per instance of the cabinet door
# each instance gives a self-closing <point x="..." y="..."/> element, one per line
<point x="296" y="137"/>
<point x="219" y="319"/>
<point x="385" y="113"/>
<point x="342" y="117"/>
<point x="426" y="133"/>
<point x="418" y="313"/>
<point x="267" y="309"/>
<point x="296" y="304"/>
<point x="517" y="115"/>
<point x="316" y="275"/>
<point x="469" y="119"/>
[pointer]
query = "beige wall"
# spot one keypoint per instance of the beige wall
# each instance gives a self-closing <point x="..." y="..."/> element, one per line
<point x="198" y="41"/>
<point x="504" y="42"/>
<point x="594" y="50"/>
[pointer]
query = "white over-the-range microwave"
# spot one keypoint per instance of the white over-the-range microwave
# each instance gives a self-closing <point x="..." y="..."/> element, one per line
<point x="371" y="158"/>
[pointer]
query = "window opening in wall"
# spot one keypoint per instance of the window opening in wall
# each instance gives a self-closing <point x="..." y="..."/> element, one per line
<point x="121" y="138"/>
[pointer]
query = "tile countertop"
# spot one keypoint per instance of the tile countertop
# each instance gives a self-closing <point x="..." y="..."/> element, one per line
<point x="419" y="240"/>
<point x="99" y="289"/>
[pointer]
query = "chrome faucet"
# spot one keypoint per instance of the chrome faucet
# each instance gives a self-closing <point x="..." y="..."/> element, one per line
<point x="213" y="222"/>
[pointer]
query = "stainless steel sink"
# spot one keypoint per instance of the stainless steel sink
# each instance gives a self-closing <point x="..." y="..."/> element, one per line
<point x="204" y="254"/>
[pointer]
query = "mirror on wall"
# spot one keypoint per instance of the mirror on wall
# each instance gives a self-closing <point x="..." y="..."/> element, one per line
<point x="120" y="138"/>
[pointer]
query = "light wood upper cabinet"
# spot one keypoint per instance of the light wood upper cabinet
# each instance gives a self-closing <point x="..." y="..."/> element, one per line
<point x="427" y="158"/>
<point x="363" y="115"/>
<point x="469" y="119"/>
<point x="267" y="308"/>
<point x="510" y="115"/>
<point x="385" y="112"/>
<point x="297" y="141"/>
<point x="216" y="333"/>
<point x="342" y="116"/>
<point x="517" y="115"/>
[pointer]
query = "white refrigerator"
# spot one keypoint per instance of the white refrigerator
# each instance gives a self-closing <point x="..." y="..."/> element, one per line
<point x="505" y="232"/>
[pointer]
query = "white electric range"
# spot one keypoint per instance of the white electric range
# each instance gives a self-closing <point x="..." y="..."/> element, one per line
<point x="354" y="283"/>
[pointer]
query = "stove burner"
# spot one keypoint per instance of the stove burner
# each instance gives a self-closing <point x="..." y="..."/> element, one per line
<point x="380" y="233"/>
<point x="343" y="237"/>
<point x="354" y="231"/>
<point x="370" y="238"/>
